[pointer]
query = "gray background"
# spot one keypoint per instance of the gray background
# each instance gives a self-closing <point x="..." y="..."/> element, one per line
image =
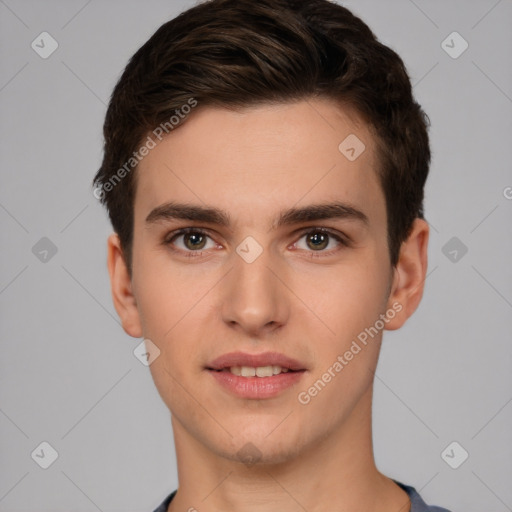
<point x="68" y="373"/>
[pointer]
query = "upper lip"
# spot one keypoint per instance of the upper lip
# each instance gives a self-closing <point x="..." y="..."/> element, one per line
<point x="254" y="361"/>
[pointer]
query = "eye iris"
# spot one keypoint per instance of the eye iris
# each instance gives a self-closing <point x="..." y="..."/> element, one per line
<point x="319" y="240"/>
<point x="194" y="237"/>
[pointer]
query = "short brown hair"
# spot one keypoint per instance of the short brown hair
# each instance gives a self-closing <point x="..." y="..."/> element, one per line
<point x="237" y="53"/>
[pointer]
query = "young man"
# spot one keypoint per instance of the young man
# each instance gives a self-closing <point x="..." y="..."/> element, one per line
<point x="263" y="170"/>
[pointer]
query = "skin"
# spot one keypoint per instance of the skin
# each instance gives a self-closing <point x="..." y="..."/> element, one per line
<point x="306" y="302"/>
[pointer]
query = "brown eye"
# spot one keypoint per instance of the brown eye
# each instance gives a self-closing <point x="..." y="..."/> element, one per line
<point x="317" y="240"/>
<point x="194" y="241"/>
<point x="189" y="240"/>
<point x="321" y="241"/>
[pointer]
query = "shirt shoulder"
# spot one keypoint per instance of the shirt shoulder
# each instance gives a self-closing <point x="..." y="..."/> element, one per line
<point x="417" y="503"/>
<point x="165" y="504"/>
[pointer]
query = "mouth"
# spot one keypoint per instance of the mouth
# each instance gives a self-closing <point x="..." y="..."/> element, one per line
<point x="263" y="365"/>
<point x="258" y="371"/>
<point x="256" y="376"/>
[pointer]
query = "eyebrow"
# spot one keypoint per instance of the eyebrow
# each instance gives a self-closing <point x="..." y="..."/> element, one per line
<point x="212" y="215"/>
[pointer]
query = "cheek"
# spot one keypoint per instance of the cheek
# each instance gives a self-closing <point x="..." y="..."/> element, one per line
<point x="167" y="293"/>
<point x="349" y="304"/>
<point x="346" y="300"/>
<point x="173" y="307"/>
<point x="345" y="359"/>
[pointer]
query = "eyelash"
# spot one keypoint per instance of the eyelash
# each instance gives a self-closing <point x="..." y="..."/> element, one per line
<point x="194" y="254"/>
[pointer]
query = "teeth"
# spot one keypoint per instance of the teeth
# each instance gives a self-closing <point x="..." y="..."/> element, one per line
<point x="264" y="371"/>
<point x="260" y="371"/>
<point x="248" y="371"/>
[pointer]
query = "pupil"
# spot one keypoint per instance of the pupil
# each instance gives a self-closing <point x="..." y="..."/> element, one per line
<point x="194" y="238"/>
<point x="318" y="237"/>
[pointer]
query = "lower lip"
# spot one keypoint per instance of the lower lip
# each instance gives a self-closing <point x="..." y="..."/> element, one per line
<point x="256" y="387"/>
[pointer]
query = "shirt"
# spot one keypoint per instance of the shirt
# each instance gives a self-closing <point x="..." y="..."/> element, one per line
<point x="417" y="504"/>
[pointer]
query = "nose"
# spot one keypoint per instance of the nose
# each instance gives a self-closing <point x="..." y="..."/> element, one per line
<point x="255" y="301"/>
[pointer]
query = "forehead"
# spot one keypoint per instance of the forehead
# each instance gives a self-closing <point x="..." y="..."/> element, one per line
<point x="256" y="161"/>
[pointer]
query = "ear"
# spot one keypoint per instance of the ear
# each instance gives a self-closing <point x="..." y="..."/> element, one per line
<point x="409" y="275"/>
<point x="121" y="288"/>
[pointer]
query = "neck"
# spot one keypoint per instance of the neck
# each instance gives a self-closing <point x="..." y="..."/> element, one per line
<point x="337" y="469"/>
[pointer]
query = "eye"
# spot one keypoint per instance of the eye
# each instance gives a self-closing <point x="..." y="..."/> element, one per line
<point x="192" y="240"/>
<point x="319" y="239"/>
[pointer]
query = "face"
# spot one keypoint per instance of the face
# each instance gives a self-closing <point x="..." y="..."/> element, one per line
<point x="283" y="266"/>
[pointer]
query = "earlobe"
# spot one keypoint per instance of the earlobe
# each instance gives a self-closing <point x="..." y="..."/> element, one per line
<point x="121" y="288"/>
<point x="409" y="276"/>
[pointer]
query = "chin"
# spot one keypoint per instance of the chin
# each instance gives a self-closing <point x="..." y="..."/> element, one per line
<point x="261" y="448"/>
<point x="254" y="454"/>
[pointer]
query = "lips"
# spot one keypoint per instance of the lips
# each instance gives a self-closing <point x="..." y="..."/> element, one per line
<point x="241" y="359"/>
<point x="256" y="376"/>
